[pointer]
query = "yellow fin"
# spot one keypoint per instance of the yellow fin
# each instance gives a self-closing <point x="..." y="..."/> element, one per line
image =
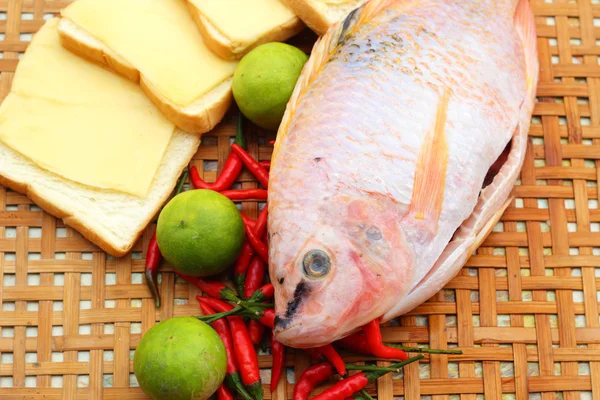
<point x="322" y="51"/>
<point x="430" y="176"/>
<point x="525" y="25"/>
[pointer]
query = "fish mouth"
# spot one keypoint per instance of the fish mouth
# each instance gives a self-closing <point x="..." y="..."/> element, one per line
<point x="294" y="329"/>
<point x="295" y="334"/>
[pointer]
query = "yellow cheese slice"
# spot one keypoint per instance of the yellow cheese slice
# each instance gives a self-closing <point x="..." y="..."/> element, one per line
<point x="75" y="119"/>
<point x="160" y="39"/>
<point x="244" y="20"/>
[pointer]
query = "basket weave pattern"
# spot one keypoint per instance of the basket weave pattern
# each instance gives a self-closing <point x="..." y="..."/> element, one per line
<point x="524" y="310"/>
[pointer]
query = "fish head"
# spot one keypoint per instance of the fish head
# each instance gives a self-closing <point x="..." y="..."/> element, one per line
<point x="345" y="267"/>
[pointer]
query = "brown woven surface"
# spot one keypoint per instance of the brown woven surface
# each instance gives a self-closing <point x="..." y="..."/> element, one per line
<point x="524" y="311"/>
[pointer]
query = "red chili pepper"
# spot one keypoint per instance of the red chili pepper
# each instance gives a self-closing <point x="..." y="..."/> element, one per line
<point x="241" y="266"/>
<point x="222" y="328"/>
<point x="198" y="182"/>
<point x="231" y="170"/>
<point x="265" y="316"/>
<point x="278" y="353"/>
<point x="256" y="331"/>
<point x="378" y="349"/>
<point x="268" y="318"/>
<point x="223" y="393"/>
<point x="310" y="378"/>
<point x="353" y="384"/>
<point x="261" y="249"/>
<point x="153" y="255"/>
<point x="334" y="358"/>
<point x="265" y="164"/>
<point x="153" y="258"/>
<point x="211" y="288"/>
<point x="243" y="261"/>
<point x="245" y="194"/>
<point x="245" y="354"/>
<point x="216" y="304"/>
<point x="232" y="378"/>
<point x="263" y="293"/>
<point x="249" y="222"/>
<point x="261" y="222"/>
<point x="356" y="343"/>
<point x="254" y="277"/>
<point x="253" y="166"/>
<point x="344" y="388"/>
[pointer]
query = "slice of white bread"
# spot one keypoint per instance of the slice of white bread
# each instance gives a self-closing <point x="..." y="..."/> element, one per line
<point x="318" y="15"/>
<point x="221" y="43"/>
<point x="200" y="117"/>
<point x="112" y="220"/>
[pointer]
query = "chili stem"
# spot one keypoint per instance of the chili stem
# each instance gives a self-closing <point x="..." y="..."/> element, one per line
<point x="240" y="139"/>
<point x="246" y="304"/>
<point x="258" y="305"/>
<point x="213" y="317"/>
<point x="409" y="361"/>
<point x="181" y="182"/>
<point x="356" y="367"/>
<point x="238" y="310"/>
<point x="366" y="395"/>
<point x="251" y="307"/>
<point x="422" y="350"/>
<point x="398" y="366"/>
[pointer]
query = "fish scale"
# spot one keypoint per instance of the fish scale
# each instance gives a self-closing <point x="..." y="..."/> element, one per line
<point x="393" y="126"/>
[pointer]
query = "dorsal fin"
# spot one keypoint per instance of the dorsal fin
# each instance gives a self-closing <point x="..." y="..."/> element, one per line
<point x="322" y="51"/>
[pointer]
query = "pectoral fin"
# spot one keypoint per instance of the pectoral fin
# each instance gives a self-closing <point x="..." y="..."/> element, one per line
<point x="430" y="176"/>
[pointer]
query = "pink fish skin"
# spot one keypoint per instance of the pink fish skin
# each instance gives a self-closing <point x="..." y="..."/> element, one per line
<point x="375" y="192"/>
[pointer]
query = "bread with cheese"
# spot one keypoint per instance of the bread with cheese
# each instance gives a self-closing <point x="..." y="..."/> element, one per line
<point x="200" y="116"/>
<point x="87" y="145"/>
<point x="261" y="22"/>
<point x="319" y="15"/>
<point x="110" y="219"/>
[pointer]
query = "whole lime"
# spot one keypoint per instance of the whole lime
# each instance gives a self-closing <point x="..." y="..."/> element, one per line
<point x="180" y="358"/>
<point x="200" y="232"/>
<point x="264" y="81"/>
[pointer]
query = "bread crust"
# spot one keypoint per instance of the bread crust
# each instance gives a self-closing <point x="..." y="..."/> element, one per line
<point x="199" y="117"/>
<point x="319" y="16"/>
<point x="68" y="219"/>
<point x="78" y="223"/>
<point x="317" y="21"/>
<point x="225" y="48"/>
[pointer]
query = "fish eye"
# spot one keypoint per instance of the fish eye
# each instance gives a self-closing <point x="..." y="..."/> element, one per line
<point x="316" y="263"/>
<point x="373" y="233"/>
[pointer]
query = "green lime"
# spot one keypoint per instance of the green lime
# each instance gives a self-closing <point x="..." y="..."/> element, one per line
<point x="200" y="232"/>
<point x="264" y="81"/>
<point x="181" y="358"/>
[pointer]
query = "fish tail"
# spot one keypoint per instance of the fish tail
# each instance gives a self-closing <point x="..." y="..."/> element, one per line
<point x="322" y="51"/>
<point x="525" y="25"/>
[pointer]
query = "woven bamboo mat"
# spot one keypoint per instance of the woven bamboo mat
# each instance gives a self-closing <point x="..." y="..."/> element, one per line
<point x="524" y="310"/>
